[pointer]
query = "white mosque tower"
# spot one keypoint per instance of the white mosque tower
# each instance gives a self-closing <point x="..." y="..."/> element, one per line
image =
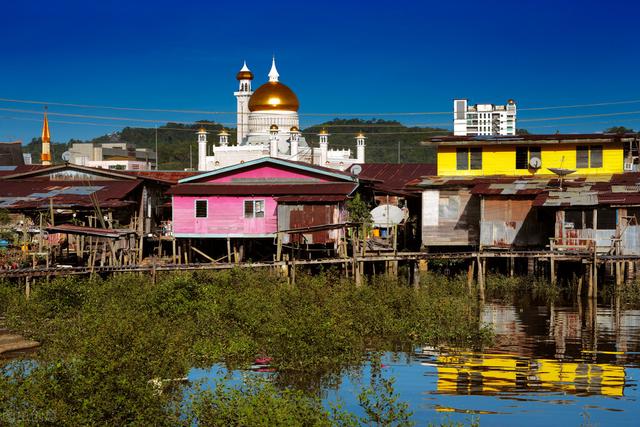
<point x="268" y="126"/>
<point x="243" y="94"/>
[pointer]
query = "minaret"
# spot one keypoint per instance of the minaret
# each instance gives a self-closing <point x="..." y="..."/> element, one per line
<point x="273" y="73"/>
<point x="45" y="157"/>
<point x="295" y="139"/>
<point x="202" y="149"/>
<point x="324" y="147"/>
<point x="243" y="94"/>
<point x="273" y="141"/>
<point x="360" y="147"/>
<point x="224" y="138"/>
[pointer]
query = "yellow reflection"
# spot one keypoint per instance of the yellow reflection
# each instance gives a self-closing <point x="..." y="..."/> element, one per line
<point x="499" y="373"/>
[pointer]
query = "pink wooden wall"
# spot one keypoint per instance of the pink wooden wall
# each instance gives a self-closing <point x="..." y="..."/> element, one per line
<point x="225" y="216"/>
<point x="226" y="213"/>
<point x="267" y="172"/>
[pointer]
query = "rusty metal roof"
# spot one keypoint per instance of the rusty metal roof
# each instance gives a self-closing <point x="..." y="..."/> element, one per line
<point x="530" y="139"/>
<point x="195" y="189"/>
<point x="38" y="194"/>
<point x="312" y="199"/>
<point x="393" y="177"/>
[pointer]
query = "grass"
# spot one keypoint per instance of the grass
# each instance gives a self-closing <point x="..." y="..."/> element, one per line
<point x="104" y="340"/>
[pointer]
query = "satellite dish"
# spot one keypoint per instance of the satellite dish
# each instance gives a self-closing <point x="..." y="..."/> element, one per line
<point x="562" y="172"/>
<point x="356" y="169"/>
<point x="535" y="163"/>
<point x="66" y="156"/>
<point x="387" y="216"/>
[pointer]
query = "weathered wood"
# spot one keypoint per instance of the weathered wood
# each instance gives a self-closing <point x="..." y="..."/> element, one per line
<point x="196" y="250"/>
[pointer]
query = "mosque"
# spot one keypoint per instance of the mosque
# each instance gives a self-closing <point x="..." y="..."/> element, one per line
<point x="268" y="126"/>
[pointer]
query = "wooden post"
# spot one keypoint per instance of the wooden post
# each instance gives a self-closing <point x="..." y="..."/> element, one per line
<point x="229" y="250"/>
<point x="512" y="263"/>
<point x="480" y="264"/>
<point x="590" y="279"/>
<point x="27" y="287"/>
<point x="552" y="270"/>
<point x="173" y="249"/>
<point x="416" y="275"/>
<point x="470" y="273"/>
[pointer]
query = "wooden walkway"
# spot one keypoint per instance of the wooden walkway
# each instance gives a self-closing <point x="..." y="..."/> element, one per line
<point x="586" y="257"/>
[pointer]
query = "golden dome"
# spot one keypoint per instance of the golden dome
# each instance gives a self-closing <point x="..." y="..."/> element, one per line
<point x="273" y="127"/>
<point x="323" y="131"/>
<point x="294" y="129"/>
<point x="244" y="75"/>
<point x="273" y="96"/>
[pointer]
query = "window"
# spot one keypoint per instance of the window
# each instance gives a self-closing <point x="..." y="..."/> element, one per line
<point x="525" y="154"/>
<point x="476" y="158"/>
<point x="254" y="208"/>
<point x="462" y="159"/>
<point x="469" y="158"/>
<point x="201" y="208"/>
<point x="589" y="156"/>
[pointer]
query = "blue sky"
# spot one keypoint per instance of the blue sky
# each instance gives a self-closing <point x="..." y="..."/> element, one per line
<point x="338" y="56"/>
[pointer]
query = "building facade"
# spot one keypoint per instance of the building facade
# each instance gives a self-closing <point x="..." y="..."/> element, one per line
<point x="268" y="126"/>
<point x="112" y="155"/>
<point x="483" y="119"/>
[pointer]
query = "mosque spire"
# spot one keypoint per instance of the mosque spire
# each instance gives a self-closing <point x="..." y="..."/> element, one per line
<point x="273" y="74"/>
<point x="45" y="157"/>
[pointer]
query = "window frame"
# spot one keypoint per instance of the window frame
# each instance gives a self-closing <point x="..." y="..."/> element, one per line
<point x="472" y="158"/>
<point x="195" y="208"/>
<point x="254" y="212"/>
<point x="531" y="151"/>
<point x="588" y="158"/>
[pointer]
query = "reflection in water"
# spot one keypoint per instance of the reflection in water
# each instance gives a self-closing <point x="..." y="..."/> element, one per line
<point x="547" y="366"/>
<point x="492" y="374"/>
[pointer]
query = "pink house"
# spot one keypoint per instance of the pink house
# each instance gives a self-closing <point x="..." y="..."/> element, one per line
<point x="258" y="198"/>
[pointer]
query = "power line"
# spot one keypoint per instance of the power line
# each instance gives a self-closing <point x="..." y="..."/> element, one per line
<point x="341" y="114"/>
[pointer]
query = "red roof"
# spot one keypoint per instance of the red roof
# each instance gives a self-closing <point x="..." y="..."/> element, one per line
<point x="195" y="189"/>
<point x="167" y="176"/>
<point x="34" y="194"/>
<point x="311" y="199"/>
<point x="393" y="177"/>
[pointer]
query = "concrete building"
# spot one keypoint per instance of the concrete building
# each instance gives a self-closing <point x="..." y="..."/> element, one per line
<point x="268" y="126"/>
<point x="483" y="119"/>
<point x="112" y="155"/>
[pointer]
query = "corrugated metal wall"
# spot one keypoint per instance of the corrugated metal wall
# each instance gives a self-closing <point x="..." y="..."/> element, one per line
<point x="511" y="222"/>
<point x="307" y="215"/>
<point x="458" y="219"/>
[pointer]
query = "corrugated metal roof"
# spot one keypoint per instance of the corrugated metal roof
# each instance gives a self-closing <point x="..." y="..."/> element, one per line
<point x="529" y="139"/>
<point x="311" y="199"/>
<point x="393" y="177"/>
<point x="33" y="194"/>
<point x="332" y="188"/>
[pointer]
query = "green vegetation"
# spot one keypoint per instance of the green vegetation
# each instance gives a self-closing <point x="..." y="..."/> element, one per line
<point x="174" y="140"/>
<point x="383" y="139"/>
<point x="107" y="342"/>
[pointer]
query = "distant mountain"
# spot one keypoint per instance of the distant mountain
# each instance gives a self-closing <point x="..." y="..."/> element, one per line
<point x="174" y="140"/>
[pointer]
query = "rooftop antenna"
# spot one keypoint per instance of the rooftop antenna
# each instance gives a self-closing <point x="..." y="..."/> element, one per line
<point x="561" y="172"/>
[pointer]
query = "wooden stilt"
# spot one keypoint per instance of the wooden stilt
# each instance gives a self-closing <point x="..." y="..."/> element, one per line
<point x="470" y="273"/>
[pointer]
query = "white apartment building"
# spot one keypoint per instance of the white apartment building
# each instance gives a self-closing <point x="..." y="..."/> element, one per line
<point x="483" y="119"/>
<point x="112" y="155"/>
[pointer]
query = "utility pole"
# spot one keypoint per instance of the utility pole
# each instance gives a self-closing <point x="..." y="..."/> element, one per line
<point x="156" y="126"/>
<point x="398" y="151"/>
<point x="190" y="158"/>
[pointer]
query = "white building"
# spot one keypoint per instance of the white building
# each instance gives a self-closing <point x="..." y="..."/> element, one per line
<point x="112" y="155"/>
<point x="483" y="119"/>
<point x="268" y="125"/>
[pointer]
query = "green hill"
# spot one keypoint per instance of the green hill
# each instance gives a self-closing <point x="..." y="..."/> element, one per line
<point x="175" y="139"/>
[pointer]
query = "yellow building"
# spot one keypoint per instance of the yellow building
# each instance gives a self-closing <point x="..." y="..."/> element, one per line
<point x="533" y="155"/>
